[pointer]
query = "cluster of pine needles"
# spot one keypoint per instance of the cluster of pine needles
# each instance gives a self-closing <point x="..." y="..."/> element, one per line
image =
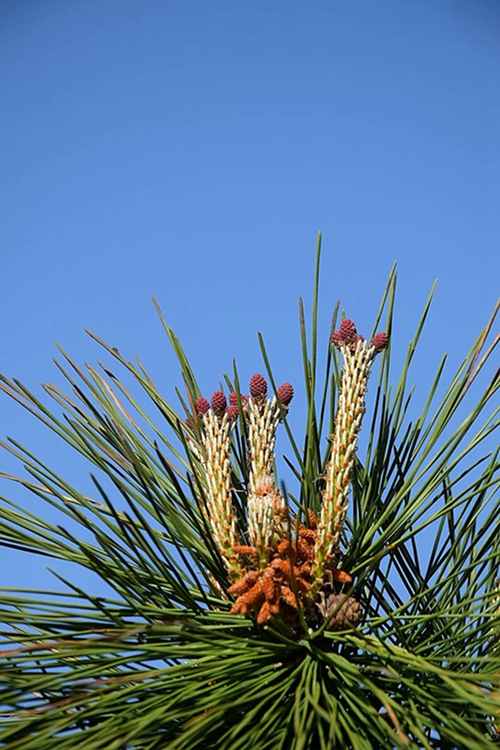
<point x="356" y="607"/>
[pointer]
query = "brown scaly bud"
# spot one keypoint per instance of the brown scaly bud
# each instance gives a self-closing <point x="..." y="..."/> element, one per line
<point x="232" y="411"/>
<point x="201" y="406"/>
<point x="347" y="612"/>
<point x="258" y="386"/>
<point x="379" y="341"/>
<point x="285" y="393"/>
<point x="219" y="403"/>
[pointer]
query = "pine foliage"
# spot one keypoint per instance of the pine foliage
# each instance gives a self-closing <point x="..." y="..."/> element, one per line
<point x="361" y="611"/>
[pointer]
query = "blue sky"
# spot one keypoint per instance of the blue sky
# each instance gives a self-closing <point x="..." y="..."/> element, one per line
<point x="193" y="150"/>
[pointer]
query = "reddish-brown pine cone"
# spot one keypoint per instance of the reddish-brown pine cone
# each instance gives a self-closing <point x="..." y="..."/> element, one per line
<point x="189" y="423"/>
<point x="233" y="398"/>
<point x="258" y="386"/>
<point x="219" y="403"/>
<point x="347" y="334"/>
<point x="285" y="393"/>
<point x="348" y="612"/>
<point x="337" y="339"/>
<point x="379" y="341"/>
<point x="201" y="405"/>
<point x="348" y="330"/>
<point x="232" y="411"/>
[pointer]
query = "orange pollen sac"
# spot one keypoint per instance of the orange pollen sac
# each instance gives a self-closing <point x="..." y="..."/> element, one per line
<point x="287" y="582"/>
<point x="243" y="549"/>
<point x="284" y="583"/>
<point x="264" y="488"/>
<point x="341" y="576"/>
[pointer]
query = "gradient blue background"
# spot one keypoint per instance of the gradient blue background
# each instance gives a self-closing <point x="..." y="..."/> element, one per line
<point x="192" y="150"/>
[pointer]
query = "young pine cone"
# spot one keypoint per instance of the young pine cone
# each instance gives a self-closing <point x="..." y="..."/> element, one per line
<point x="348" y="612"/>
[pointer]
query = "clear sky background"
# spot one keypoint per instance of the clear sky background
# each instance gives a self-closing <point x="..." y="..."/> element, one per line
<point x="192" y="150"/>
